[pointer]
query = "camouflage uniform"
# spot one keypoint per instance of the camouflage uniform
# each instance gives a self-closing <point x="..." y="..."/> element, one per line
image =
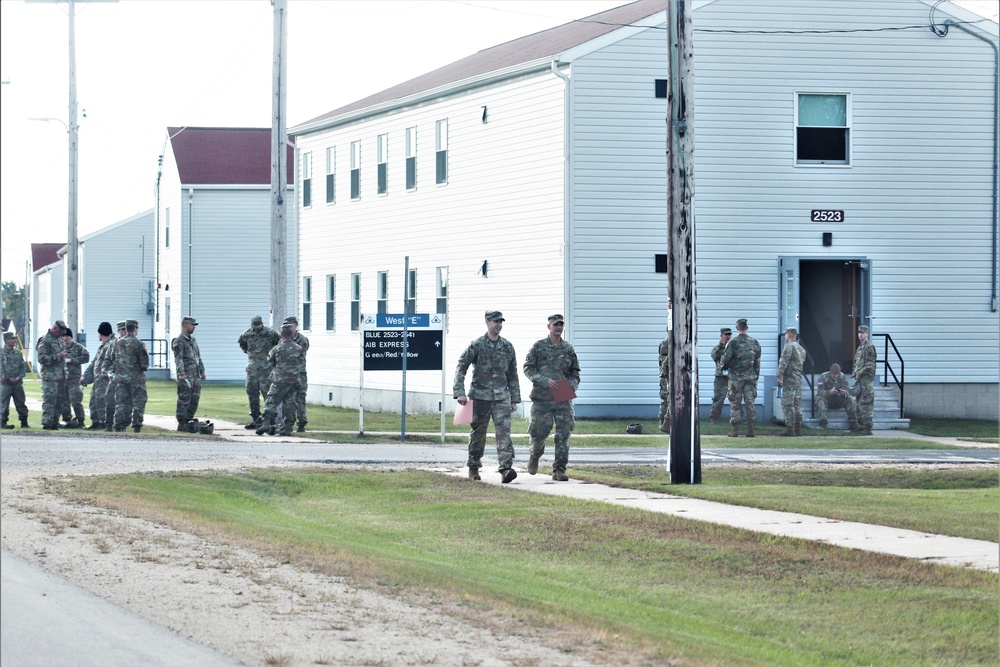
<point x="864" y="373"/>
<point x="129" y="359"/>
<point x="187" y="362"/>
<point x="664" y="361"/>
<point x="495" y="387"/>
<point x="76" y="356"/>
<point x="97" y="376"/>
<point x="833" y="393"/>
<point x="53" y="371"/>
<point x="721" y="386"/>
<point x="287" y="360"/>
<point x="12" y="383"/>
<point x="551" y="361"/>
<point x="790" y="374"/>
<point x="257" y="345"/>
<point x="742" y="358"/>
<point x="111" y="397"/>
<point x="295" y="404"/>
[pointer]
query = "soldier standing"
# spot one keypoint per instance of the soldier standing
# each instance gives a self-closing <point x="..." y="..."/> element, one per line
<point x="190" y="372"/>
<point x="256" y="342"/>
<point x="287" y="360"/>
<point x="97" y="376"/>
<point x="721" y="387"/>
<point x="52" y="358"/>
<point x="742" y="358"/>
<point x="495" y="393"/>
<point x="864" y="374"/>
<point x="549" y="360"/>
<point x="76" y="356"/>
<point x="14" y="370"/>
<point x="299" y="399"/>
<point x="111" y="398"/>
<point x="790" y="381"/>
<point x="129" y="360"/>
<point x="833" y="392"/>
<point x="664" y="363"/>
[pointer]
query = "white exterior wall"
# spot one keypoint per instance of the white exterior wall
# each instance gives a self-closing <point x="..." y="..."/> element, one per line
<point x="917" y="195"/>
<point x="618" y="224"/>
<point x="47" y="286"/>
<point x="503" y="204"/>
<point x="169" y="256"/>
<point x="116" y="266"/>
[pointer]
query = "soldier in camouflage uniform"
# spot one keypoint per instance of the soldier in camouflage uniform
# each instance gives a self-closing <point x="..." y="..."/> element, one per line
<point x="12" y="380"/>
<point x="96" y="375"/>
<point x="790" y="381"/>
<point x="51" y="354"/>
<point x="721" y="387"/>
<point x="256" y="342"/>
<point x="742" y="358"/>
<point x="663" y="353"/>
<point x="190" y="372"/>
<point x="129" y="360"/>
<point x="549" y="360"/>
<point x="864" y="374"/>
<point x="296" y="403"/>
<point x="287" y="360"/>
<point x="495" y="392"/>
<point x="76" y="356"/>
<point x="111" y="398"/>
<point x="833" y="393"/>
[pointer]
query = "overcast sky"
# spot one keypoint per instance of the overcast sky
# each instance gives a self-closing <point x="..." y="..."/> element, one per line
<point x="143" y="65"/>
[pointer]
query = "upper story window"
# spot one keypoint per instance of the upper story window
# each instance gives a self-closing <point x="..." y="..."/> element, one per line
<point x="307" y="174"/>
<point x="823" y="128"/>
<point x="441" y="151"/>
<point x="355" y="170"/>
<point x="331" y="302"/>
<point x="411" y="158"/>
<point x="383" y="163"/>
<point x="331" y="175"/>
<point x="355" y="301"/>
<point x="383" y="292"/>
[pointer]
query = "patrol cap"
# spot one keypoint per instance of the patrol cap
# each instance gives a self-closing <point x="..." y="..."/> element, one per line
<point x="121" y="325"/>
<point x="792" y="330"/>
<point x="557" y="318"/>
<point x="291" y="319"/>
<point x="863" y="328"/>
<point x="131" y="324"/>
<point x="188" y="320"/>
<point x="726" y="331"/>
<point x="60" y="324"/>
<point x="494" y="315"/>
<point x="256" y="319"/>
<point x="8" y="334"/>
<point x="104" y="328"/>
<point x="287" y="329"/>
<point x="742" y="322"/>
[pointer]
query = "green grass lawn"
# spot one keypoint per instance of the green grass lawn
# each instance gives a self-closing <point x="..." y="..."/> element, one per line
<point x="664" y="588"/>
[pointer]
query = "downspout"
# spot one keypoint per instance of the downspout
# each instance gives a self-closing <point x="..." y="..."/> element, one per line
<point x="996" y="131"/>
<point x="190" y="250"/>
<point x="567" y="195"/>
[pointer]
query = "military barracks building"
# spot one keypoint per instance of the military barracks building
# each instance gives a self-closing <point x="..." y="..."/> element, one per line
<point x="845" y="173"/>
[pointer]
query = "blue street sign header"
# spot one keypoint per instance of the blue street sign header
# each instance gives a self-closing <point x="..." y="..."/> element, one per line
<point x="397" y="320"/>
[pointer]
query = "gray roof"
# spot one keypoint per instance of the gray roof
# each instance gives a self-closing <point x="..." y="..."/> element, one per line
<point x="542" y="44"/>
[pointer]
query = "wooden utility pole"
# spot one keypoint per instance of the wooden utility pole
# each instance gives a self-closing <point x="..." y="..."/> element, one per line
<point x="685" y="439"/>
<point x="279" y="167"/>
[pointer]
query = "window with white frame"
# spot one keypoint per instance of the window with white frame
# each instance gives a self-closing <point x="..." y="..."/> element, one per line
<point x="307" y="173"/>
<point x="823" y="128"/>
<point x="411" y="291"/>
<point x="382" y="151"/>
<point x="411" y="158"/>
<point x="306" y="303"/>
<point x="442" y="290"/>
<point x="331" y="175"/>
<point x="166" y="229"/>
<point x="355" y="170"/>
<point x="331" y="303"/>
<point x="382" y="285"/>
<point x="441" y="151"/>
<point x="355" y="301"/>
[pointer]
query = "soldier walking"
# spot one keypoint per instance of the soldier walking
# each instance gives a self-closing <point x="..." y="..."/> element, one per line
<point x="833" y="393"/>
<point x="790" y="381"/>
<point x="76" y="356"/>
<point x="129" y="360"/>
<point x="551" y="359"/>
<point x="97" y="376"/>
<point x="12" y="380"/>
<point x="864" y="374"/>
<point x="495" y="393"/>
<point x="742" y="358"/>
<point x="287" y="360"/>
<point x="256" y="342"/>
<point x="52" y="359"/>
<point x="190" y="372"/>
<point x="721" y="386"/>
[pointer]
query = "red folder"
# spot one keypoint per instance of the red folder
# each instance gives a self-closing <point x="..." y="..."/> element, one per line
<point x="563" y="391"/>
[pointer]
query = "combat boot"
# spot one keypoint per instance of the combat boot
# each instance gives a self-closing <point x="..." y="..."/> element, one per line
<point x="734" y="431"/>
<point x="254" y="423"/>
<point x="750" y="433"/>
<point x="24" y="422"/>
<point x="108" y="427"/>
<point x="265" y="426"/>
<point x="532" y="464"/>
<point x="789" y="432"/>
<point x="559" y="476"/>
<point x="286" y="429"/>
<point x="798" y="428"/>
<point x="474" y="474"/>
<point x="81" y="418"/>
<point x="182" y="425"/>
<point x="7" y="426"/>
<point x="136" y="428"/>
<point x="95" y="426"/>
<point x="854" y="427"/>
<point x="301" y="428"/>
<point x="823" y="422"/>
<point x="866" y="431"/>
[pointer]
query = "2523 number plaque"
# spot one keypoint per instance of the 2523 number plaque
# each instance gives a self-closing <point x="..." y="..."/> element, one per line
<point x="827" y="216"/>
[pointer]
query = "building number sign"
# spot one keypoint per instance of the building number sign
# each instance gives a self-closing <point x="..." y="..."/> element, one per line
<point x="827" y="216"/>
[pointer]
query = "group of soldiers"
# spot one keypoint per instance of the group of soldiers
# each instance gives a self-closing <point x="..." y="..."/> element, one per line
<point x="276" y="371"/>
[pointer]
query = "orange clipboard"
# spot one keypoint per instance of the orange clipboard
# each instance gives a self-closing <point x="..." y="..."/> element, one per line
<point x="563" y="391"/>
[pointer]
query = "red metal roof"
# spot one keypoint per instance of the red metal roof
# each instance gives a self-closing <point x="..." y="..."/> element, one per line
<point x="43" y="254"/>
<point x="525" y="49"/>
<point x="225" y="155"/>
